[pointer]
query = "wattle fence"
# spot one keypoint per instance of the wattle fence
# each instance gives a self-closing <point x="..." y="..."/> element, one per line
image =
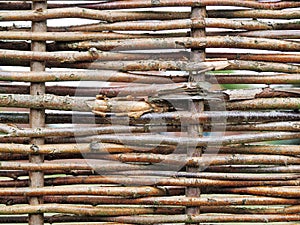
<point x="149" y="112"/>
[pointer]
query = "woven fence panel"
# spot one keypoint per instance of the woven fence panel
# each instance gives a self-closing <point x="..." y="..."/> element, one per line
<point x="149" y="112"/>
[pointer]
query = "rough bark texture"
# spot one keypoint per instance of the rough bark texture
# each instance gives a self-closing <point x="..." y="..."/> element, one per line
<point x="160" y="122"/>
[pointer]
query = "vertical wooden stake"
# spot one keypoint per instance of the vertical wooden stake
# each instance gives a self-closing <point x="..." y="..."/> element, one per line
<point x="37" y="117"/>
<point x="197" y="55"/>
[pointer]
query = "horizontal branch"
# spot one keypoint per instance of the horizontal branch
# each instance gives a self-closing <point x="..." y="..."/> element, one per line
<point x="147" y="43"/>
<point x="256" y="169"/>
<point x="46" y="101"/>
<point x="131" y="107"/>
<point x="183" y="201"/>
<point x="66" y="36"/>
<point x="291" y="150"/>
<point x="142" y="90"/>
<point x="181" y="43"/>
<point x="166" y="3"/>
<point x="286" y="192"/>
<point x="170" y="118"/>
<point x="141" y="180"/>
<point x="255" y="14"/>
<point x="271" y="34"/>
<point x="283" y="58"/>
<point x="159" y="201"/>
<point x="265" y="103"/>
<point x="149" y="154"/>
<point x="142" y="140"/>
<point x="275" y="126"/>
<point x="205" y="160"/>
<point x="209" y="175"/>
<point x="12" y="131"/>
<point x="179" y="24"/>
<point x="65" y="166"/>
<point x="259" y="210"/>
<point x="92" y="55"/>
<point x="109" y="76"/>
<point x="27" y="6"/>
<point x="204" y="218"/>
<point x="263" y="66"/>
<point x="157" y="65"/>
<point x="53" y="118"/>
<point x="255" y="78"/>
<point x="76" y="12"/>
<point x="224" y="78"/>
<point x="16" y="175"/>
<point x="98" y="56"/>
<point x="143" y="4"/>
<point x="142" y="65"/>
<point x="147" y="26"/>
<point x="112" y="16"/>
<point x="59" y="219"/>
<point x="75" y="169"/>
<point x="106" y="149"/>
<point x="103" y="148"/>
<point x="139" y="90"/>
<point x="106" y="191"/>
<point x="83" y="210"/>
<point x="64" y="12"/>
<point x="192" y="89"/>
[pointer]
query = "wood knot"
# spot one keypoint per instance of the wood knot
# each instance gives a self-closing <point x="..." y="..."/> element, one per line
<point x="155" y="2"/>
